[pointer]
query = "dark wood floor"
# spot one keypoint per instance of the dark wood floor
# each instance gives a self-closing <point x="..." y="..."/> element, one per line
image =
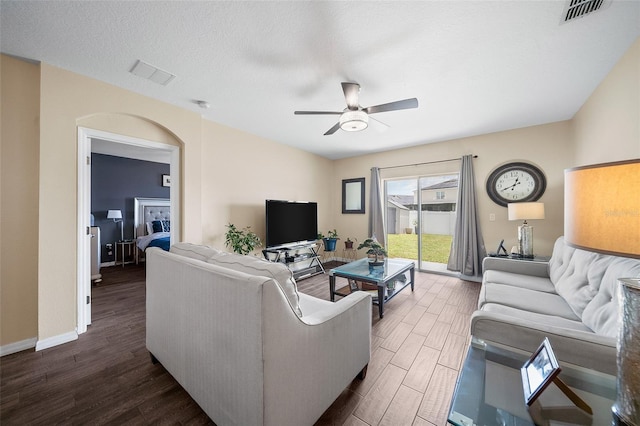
<point x="106" y="377"/>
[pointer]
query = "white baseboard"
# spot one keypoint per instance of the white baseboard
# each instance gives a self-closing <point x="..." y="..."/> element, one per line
<point x="14" y="347"/>
<point x="107" y="264"/>
<point x="50" y="342"/>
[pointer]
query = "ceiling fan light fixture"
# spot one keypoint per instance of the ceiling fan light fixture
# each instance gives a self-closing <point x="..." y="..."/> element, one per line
<point x="354" y="121"/>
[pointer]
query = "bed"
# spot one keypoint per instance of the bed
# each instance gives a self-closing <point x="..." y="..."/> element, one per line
<point x="152" y="227"/>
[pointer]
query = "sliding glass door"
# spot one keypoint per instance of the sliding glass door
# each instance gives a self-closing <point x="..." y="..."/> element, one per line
<point x="420" y="218"/>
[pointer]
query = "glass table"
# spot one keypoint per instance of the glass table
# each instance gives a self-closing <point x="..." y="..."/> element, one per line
<point x="489" y="392"/>
<point x="390" y="278"/>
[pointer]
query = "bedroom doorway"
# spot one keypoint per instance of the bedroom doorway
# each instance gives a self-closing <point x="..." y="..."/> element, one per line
<point x="85" y="138"/>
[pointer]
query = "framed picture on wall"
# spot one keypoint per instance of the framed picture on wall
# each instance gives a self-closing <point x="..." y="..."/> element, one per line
<point x="353" y="195"/>
<point x="166" y="180"/>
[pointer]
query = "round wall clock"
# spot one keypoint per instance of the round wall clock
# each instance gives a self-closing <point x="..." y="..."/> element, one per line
<point x="516" y="182"/>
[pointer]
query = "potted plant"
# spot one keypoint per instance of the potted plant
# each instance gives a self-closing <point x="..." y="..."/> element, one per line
<point x="348" y="243"/>
<point x="241" y="241"/>
<point x="376" y="252"/>
<point x="330" y="240"/>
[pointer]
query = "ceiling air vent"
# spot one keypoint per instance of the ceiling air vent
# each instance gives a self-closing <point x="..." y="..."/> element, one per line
<point x="144" y="70"/>
<point x="579" y="8"/>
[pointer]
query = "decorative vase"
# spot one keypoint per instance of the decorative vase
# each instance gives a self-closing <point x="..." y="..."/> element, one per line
<point x="626" y="410"/>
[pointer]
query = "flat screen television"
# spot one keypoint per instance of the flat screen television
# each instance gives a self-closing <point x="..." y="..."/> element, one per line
<point x="290" y="222"/>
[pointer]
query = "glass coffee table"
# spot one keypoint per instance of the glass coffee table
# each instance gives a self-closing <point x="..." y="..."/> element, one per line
<point x="390" y="278"/>
<point x="489" y="392"/>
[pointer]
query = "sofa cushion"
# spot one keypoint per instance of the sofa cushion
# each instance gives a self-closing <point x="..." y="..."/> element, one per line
<point x="601" y="314"/>
<point x="194" y="251"/>
<point x="255" y="266"/>
<point x="536" y="318"/>
<point x="576" y="274"/>
<point x="519" y="280"/>
<point x="526" y="300"/>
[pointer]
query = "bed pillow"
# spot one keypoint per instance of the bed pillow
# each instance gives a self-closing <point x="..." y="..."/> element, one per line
<point x="193" y="251"/>
<point x="258" y="267"/>
<point x="161" y="226"/>
<point x="149" y="228"/>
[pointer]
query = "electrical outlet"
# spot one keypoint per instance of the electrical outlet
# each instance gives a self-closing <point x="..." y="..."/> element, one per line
<point x="492" y="217"/>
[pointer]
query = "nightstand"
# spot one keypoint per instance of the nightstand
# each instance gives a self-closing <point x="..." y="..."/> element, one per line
<point x="131" y="252"/>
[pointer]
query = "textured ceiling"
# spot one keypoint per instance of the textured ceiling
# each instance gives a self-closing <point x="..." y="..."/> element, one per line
<point x="475" y="66"/>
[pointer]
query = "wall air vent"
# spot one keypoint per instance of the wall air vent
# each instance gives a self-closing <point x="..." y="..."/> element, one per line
<point x="578" y="8"/>
<point x="144" y="70"/>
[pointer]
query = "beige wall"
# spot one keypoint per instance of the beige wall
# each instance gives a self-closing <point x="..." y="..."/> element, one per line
<point x="20" y="104"/>
<point x="532" y="144"/>
<point x="240" y="171"/>
<point x="607" y="127"/>
<point x="66" y="100"/>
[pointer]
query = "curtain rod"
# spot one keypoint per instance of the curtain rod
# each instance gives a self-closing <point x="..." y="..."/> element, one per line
<point x="420" y="164"/>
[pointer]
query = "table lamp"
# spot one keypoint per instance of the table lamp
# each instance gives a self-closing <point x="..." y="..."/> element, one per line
<point x="115" y="215"/>
<point x="525" y="211"/>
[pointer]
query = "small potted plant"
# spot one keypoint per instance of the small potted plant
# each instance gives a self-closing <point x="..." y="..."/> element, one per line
<point x="241" y="241"/>
<point x="375" y="251"/>
<point x="348" y="243"/>
<point x="330" y="240"/>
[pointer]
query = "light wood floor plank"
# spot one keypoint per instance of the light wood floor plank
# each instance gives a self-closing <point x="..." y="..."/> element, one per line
<point x="397" y="337"/>
<point x="453" y="350"/>
<point x="448" y="313"/>
<point x="437" y="306"/>
<point x="461" y="324"/>
<point x="438" y="335"/>
<point x="414" y="314"/>
<point x="422" y="368"/>
<point x="403" y="408"/>
<point x="435" y="404"/>
<point x="375" y="403"/>
<point x="379" y="361"/>
<point x="407" y="353"/>
<point x="425" y="324"/>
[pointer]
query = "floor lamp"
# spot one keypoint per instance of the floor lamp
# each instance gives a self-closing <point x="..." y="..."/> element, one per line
<point x="525" y="211"/>
<point x="116" y="215"/>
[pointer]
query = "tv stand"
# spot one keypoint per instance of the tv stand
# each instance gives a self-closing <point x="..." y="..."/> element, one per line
<point x="301" y="259"/>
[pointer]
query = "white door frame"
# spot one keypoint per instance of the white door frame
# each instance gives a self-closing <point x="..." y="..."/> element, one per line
<point x="83" y="261"/>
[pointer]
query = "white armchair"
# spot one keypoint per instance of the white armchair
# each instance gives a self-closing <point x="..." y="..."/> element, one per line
<point x="235" y="343"/>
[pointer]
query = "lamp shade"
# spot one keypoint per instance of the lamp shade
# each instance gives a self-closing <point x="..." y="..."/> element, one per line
<point x="114" y="214"/>
<point x="602" y="208"/>
<point x="525" y="211"/>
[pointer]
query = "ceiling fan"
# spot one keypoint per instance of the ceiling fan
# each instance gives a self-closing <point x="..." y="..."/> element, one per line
<point x="354" y="117"/>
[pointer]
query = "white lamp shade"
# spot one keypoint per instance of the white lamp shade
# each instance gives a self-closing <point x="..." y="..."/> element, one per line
<point x="525" y="211"/>
<point x="114" y="214"/>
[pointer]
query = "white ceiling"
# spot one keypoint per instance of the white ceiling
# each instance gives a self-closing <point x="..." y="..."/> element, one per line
<point x="475" y="66"/>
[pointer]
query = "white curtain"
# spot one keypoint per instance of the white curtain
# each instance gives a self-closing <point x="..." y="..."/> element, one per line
<point x="467" y="247"/>
<point x="376" y="208"/>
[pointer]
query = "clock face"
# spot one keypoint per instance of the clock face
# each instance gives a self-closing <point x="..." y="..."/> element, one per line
<point x="515" y="182"/>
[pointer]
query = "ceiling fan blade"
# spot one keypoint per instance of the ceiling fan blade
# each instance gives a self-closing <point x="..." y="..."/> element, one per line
<point x="392" y="106"/>
<point x="351" y="92"/>
<point x="333" y="129"/>
<point x="317" y="113"/>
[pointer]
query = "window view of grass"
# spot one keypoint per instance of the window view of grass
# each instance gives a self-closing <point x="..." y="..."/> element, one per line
<point x="435" y="248"/>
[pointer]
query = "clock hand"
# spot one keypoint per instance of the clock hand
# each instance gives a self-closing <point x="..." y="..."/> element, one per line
<point x="512" y="186"/>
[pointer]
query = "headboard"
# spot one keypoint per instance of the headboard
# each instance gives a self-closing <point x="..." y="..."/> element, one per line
<point x="149" y="209"/>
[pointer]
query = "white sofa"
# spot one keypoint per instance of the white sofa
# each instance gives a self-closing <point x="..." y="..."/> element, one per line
<point x="244" y="344"/>
<point x="572" y="300"/>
